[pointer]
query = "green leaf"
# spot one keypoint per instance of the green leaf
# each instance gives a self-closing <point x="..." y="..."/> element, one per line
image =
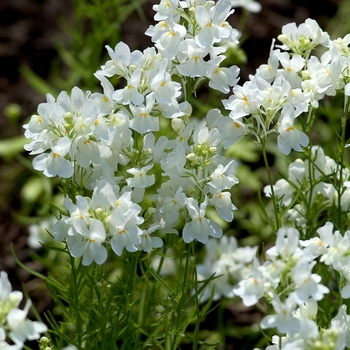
<point x="10" y="147"/>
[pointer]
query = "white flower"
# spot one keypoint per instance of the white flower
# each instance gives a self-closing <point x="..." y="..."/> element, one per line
<point x="223" y="205"/>
<point x="125" y="230"/>
<point x="199" y="228"/>
<point x="90" y="247"/>
<point x="250" y="5"/>
<point x="140" y="179"/>
<point x="21" y="328"/>
<point x="38" y="233"/>
<point x="244" y="101"/>
<point x="307" y="283"/>
<point x="211" y="23"/>
<point x="252" y="288"/>
<point x="222" y="178"/>
<point x="172" y="205"/>
<point x="269" y="71"/>
<point x="170" y="39"/>
<point x="317" y="246"/>
<point x="282" y="190"/>
<point x="286" y="244"/>
<point x="104" y="100"/>
<point x="130" y="94"/>
<point x="8" y="299"/>
<point x="55" y="163"/>
<point x="192" y="62"/>
<point x="155" y="149"/>
<point x="290" y="138"/>
<point x="222" y="78"/>
<point x="120" y="60"/>
<point x="291" y="67"/>
<point x="164" y="89"/>
<point x="148" y="242"/>
<point x="283" y="320"/>
<point x="5" y="346"/>
<point x="143" y="121"/>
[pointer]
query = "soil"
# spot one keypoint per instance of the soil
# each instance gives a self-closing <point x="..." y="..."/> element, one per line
<point x="28" y="33"/>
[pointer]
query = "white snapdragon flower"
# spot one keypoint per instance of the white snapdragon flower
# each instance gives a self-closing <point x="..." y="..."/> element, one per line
<point x="148" y="242"/>
<point x="120" y="60"/>
<point x="85" y="151"/>
<point x="125" y="231"/>
<point x="90" y="247"/>
<point x="172" y="204"/>
<point x="291" y="67"/>
<point x="199" y="228"/>
<point x="174" y="164"/>
<point x="249" y="5"/>
<point x="325" y="74"/>
<point x="38" y="232"/>
<point x="164" y="89"/>
<point x="6" y="346"/>
<point x="286" y="244"/>
<point x="233" y="130"/>
<point x="104" y="100"/>
<point x="155" y="149"/>
<point x="165" y="9"/>
<point x="282" y="190"/>
<point x="54" y="163"/>
<point x="244" y="101"/>
<point x="171" y="36"/>
<point x="223" y="205"/>
<point x="283" y="320"/>
<point x="8" y="299"/>
<point x="223" y="177"/>
<point x="212" y="23"/>
<point x="337" y="249"/>
<point x="290" y="138"/>
<point x="228" y="262"/>
<point x="192" y="60"/>
<point x="269" y="70"/>
<point x="21" y="328"/>
<point x="307" y="283"/>
<point x="222" y="78"/>
<point x="79" y="215"/>
<point x="143" y="121"/>
<point x="316" y="246"/>
<point x="140" y="179"/>
<point x="252" y="288"/>
<point x="130" y="94"/>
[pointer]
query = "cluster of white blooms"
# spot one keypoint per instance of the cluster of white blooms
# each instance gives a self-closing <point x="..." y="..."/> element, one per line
<point x="292" y="82"/>
<point x="313" y="183"/>
<point x="143" y="182"/>
<point x="228" y="263"/>
<point x="287" y="281"/>
<point x="15" y="327"/>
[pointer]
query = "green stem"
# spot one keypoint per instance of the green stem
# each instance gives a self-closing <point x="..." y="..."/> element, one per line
<point x="75" y="288"/>
<point x="341" y="164"/>
<point x="273" y="197"/>
<point x="196" y="330"/>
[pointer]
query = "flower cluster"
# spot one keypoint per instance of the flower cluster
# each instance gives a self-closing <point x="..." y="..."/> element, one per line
<point x="14" y="324"/>
<point x="110" y="143"/>
<point x="315" y="184"/>
<point x="292" y="82"/>
<point x="229" y="264"/>
<point x="288" y="282"/>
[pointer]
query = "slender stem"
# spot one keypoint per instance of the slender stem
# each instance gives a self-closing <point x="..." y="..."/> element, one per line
<point x="196" y="330"/>
<point x="274" y="201"/>
<point x="341" y="164"/>
<point x="76" y="288"/>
